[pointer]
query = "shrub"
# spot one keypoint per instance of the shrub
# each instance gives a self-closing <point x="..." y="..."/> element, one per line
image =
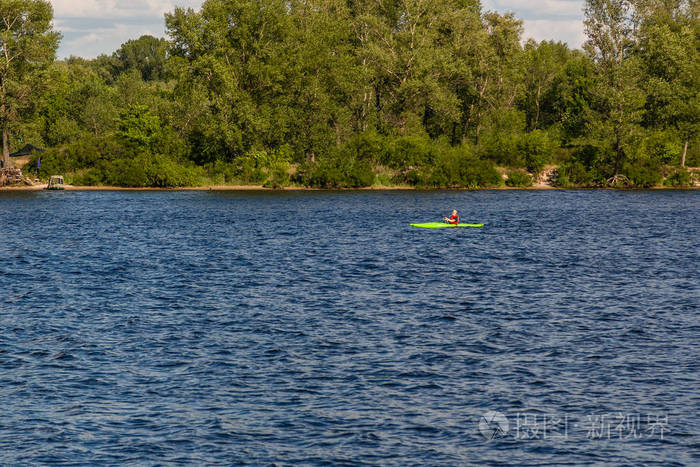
<point x="413" y="177"/>
<point x="125" y="173"/>
<point x="663" y="146"/>
<point x="335" y="172"/>
<point x="408" y="151"/>
<point x="679" y="177"/>
<point x="221" y="172"/>
<point x="88" y="177"/>
<point x="563" y="180"/>
<point x="574" y="174"/>
<point x="643" y="174"/>
<point x="519" y="178"/>
<point x="367" y="146"/>
<point x="258" y="167"/>
<point x="279" y="175"/>
<point x="536" y="149"/>
<point x="500" y="138"/>
<point x="459" y="167"/>
<point x="163" y="172"/>
<point x="384" y="176"/>
<point x="361" y="174"/>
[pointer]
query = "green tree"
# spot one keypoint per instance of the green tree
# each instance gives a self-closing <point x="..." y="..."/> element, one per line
<point x="75" y="101"/>
<point x="572" y="96"/>
<point x="669" y="47"/>
<point x="28" y="45"/>
<point x="233" y="54"/>
<point x="139" y="128"/>
<point x="495" y="61"/>
<point x="617" y="94"/>
<point x="147" y="54"/>
<point x="324" y="77"/>
<point x="544" y="62"/>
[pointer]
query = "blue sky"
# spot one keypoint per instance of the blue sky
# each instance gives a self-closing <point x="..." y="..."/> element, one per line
<point x="94" y="27"/>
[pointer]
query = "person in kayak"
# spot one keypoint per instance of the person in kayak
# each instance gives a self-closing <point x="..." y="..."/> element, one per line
<point x="453" y="219"/>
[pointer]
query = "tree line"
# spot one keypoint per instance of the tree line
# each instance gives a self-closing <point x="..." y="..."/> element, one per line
<point x="350" y="93"/>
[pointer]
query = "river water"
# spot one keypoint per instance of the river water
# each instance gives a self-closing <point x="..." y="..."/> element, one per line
<point x="287" y="328"/>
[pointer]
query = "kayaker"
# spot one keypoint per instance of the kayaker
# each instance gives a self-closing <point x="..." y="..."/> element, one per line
<point x="453" y="219"/>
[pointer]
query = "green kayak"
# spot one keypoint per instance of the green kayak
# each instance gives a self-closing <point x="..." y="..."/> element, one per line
<point x="442" y="225"/>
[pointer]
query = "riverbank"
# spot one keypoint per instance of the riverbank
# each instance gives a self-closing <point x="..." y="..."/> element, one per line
<point x="536" y="187"/>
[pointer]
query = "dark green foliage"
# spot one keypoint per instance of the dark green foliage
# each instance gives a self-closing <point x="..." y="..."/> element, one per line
<point x="644" y="175"/>
<point x="369" y="146"/>
<point x="247" y="171"/>
<point x="458" y="167"/>
<point x="139" y="128"/>
<point x="88" y="153"/>
<point x="501" y="137"/>
<point x="336" y="172"/>
<point x="572" y="96"/>
<point x="263" y="167"/>
<point x="104" y="161"/>
<point x="147" y="54"/>
<point x="680" y="177"/>
<point x="663" y="146"/>
<point x="574" y="174"/>
<point x="536" y="149"/>
<point x="409" y="151"/>
<point x="445" y="166"/>
<point x="519" y="178"/>
<point x="278" y="178"/>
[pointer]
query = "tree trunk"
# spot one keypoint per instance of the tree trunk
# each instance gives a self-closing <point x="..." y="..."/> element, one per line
<point x="618" y="153"/>
<point x="685" y="151"/>
<point x="5" y="147"/>
<point x="471" y="109"/>
<point x="537" y="104"/>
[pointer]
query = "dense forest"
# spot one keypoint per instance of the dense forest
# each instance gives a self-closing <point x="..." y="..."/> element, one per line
<point x="352" y="93"/>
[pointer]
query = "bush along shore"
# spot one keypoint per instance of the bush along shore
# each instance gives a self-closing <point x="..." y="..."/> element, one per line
<point x="451" y="169"/>
<point x="326" y="94"/>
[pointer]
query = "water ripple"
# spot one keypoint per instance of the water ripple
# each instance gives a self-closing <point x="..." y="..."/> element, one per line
<point x="177" y="328"/>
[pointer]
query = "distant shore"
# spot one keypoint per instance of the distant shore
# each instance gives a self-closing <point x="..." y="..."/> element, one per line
<point x="537" y="187"/>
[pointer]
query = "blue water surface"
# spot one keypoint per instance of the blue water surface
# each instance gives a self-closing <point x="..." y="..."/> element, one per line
<point x="319" y="328"/>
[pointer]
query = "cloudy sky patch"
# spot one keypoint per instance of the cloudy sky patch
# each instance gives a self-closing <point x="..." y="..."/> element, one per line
<point x="560" y="20"/>
<point x="94" y="27"/>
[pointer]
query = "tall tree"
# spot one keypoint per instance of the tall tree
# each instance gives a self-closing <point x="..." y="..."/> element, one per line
<point x="146" y="54"/>
<point x="233" y="53"/>
<point x="618" y="97"/>
<point x="669" y="47"/>
<point x="544" y="62"/>
<point x="495" y="61"/>
<point x="28" y="45"/>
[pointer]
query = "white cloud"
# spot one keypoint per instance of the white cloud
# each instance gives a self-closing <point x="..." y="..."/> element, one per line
<point x="103" y="40"/>
<point x="537" y="9"/>
<point x="94" y="27"/>
<point x="117" y="8"/>
<point x="570" y="32"/>
<point x="559" y="20"/>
